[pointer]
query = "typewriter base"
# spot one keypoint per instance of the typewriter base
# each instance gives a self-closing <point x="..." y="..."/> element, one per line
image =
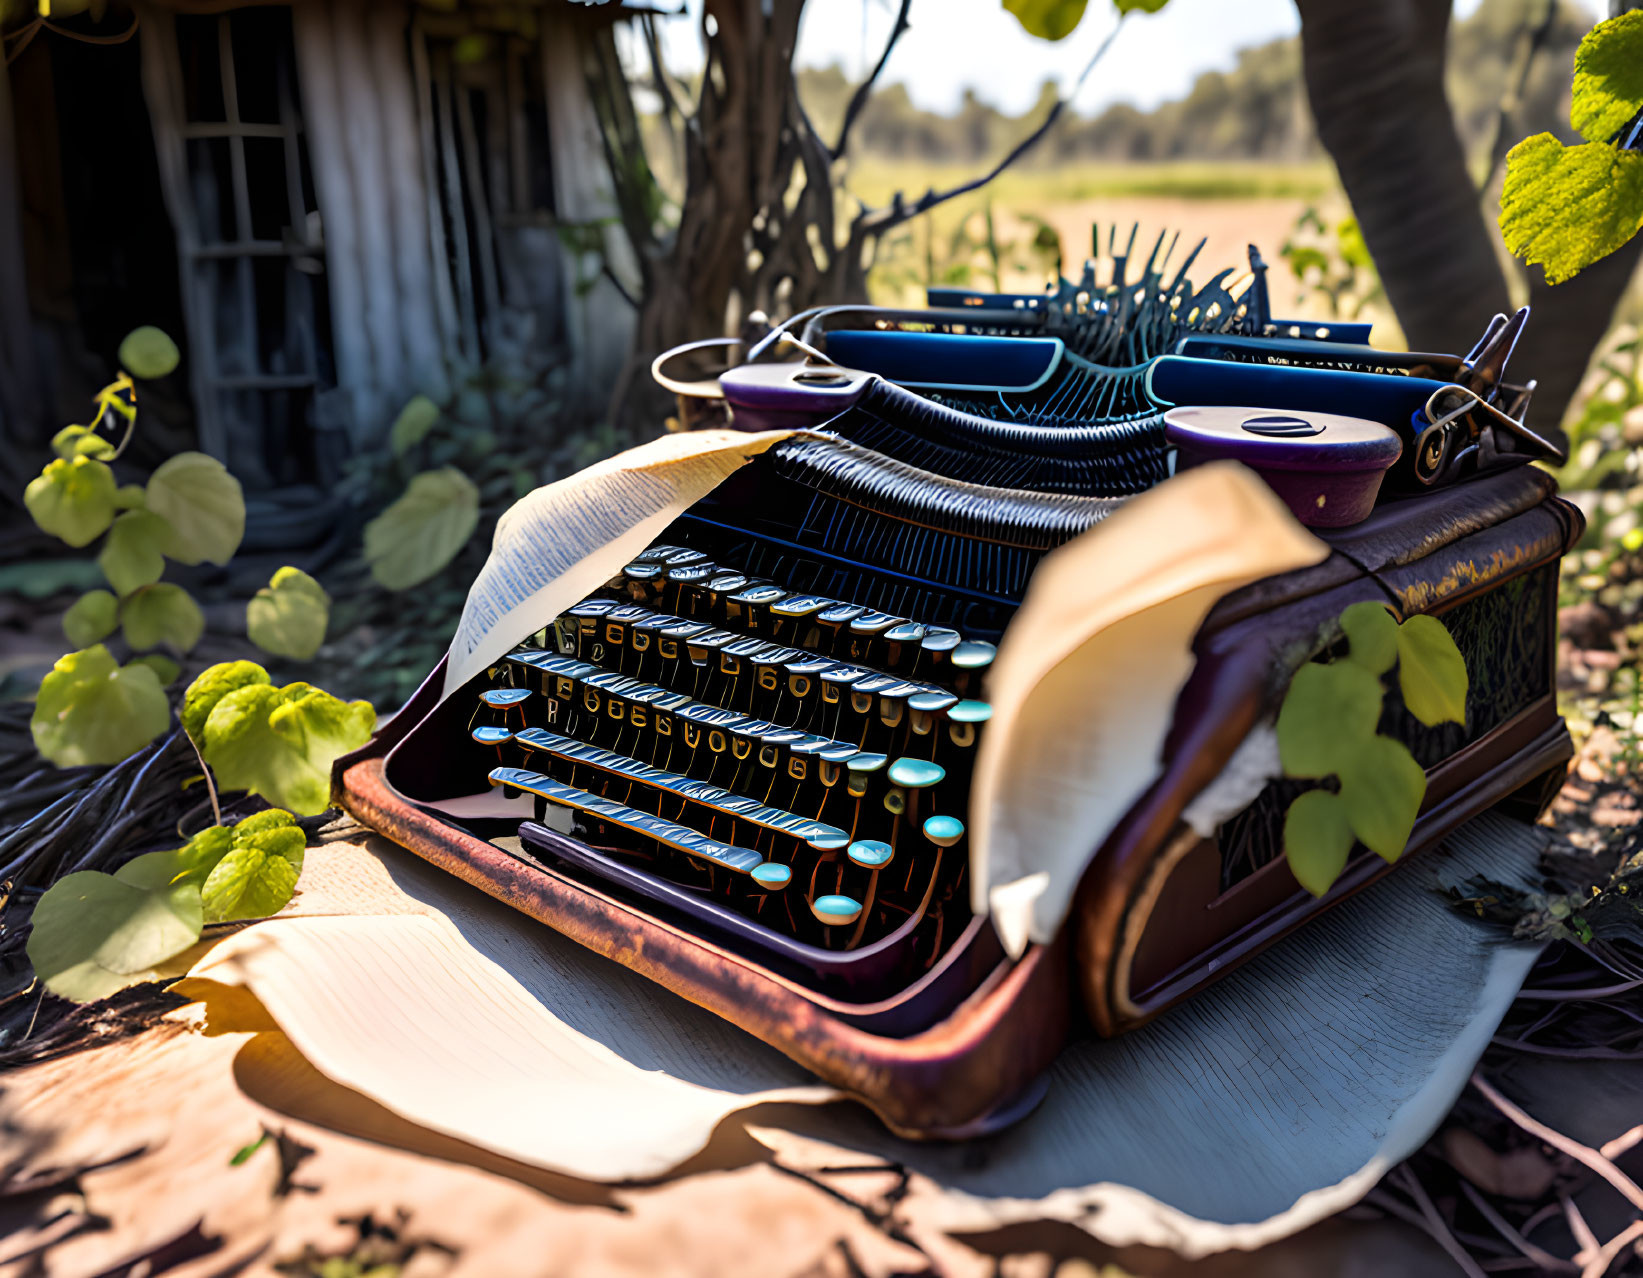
<point x="977" y="1070"/>
<point x="1159" y="961"/>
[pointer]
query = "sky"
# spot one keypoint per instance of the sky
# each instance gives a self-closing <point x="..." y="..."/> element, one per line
<point x="958" y="44"/>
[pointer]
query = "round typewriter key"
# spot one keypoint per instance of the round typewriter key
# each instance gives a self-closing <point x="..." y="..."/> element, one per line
<point x="499" y="698"/>
<point x="973" y="654"/>
<point x="835" y="910"/>
<point x="829" y="842"/>
<point x="944" y="831"/>
<point x="871" y="854"/>
<point x="916" y="774"/>
<point x="772" y="877"/>
<point x="487" y="735"/>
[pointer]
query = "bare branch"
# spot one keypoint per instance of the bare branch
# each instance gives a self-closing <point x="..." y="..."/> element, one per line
<point x="864" y="90"/>
<point x="1529" y="43"/>
<point x="899" y="212"/>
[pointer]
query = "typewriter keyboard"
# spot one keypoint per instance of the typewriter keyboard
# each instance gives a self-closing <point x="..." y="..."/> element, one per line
<point x="798" y="760"/>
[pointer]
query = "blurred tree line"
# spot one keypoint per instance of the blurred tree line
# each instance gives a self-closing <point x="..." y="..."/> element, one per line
<point x="1255" y="111"/>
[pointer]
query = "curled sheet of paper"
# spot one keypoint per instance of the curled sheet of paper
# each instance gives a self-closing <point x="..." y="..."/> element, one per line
<point x="559" y="544"/>
<point x="1084" y="686"/>
<point x="1308" y="1073"/>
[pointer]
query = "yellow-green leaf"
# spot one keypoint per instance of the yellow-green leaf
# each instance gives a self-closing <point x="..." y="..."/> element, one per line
<point x="1431" y="672"/>
<point x="1564" y="207"/>
<point x="81" y="441"/>
<point x="287" y="617"/>
<point x="148" y="352"/>
<point x="90" y="710"/>
<point x="130" y="497"/>
<point x="213" y="684"/>
<point x="191" y="863"/>
<point x="1139" y="6"/>
<point x="1050" y="19"/>
<point x="91" y="618"/>
<point x="93" y="934"/>
<point x="72" y="499"/>
<point x="131" y="557"/>
<point x="1608" y="87"/>
<point x="1371" y="636"/>
<point x="204" y="505"/>
<point x="257" y="878"/>
<point x="161" y="614"/>
<point x="280" y="742"/>
<point x="423" y="531"/>
<point x="1381" y="790"/>
<point x="1317" y="840"/>
<point x="412" y="425"/>
<point x="1326" y="712"/>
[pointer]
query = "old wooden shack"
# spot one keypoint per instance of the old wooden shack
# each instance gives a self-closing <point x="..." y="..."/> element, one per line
<point x="333" y="204"/>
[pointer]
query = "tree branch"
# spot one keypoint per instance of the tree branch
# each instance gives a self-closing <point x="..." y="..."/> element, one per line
<point x="1530" y="42"/>
<point x="899" y="212"/>
<point x="864" y="90"/>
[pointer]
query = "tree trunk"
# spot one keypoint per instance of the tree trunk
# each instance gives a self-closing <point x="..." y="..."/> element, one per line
<point x="1374" y="77"/>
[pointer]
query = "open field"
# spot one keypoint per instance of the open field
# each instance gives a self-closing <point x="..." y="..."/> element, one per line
<point x="1230" y="206"/>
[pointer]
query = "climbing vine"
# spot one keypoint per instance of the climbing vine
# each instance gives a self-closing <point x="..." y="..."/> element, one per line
<point x="1327" y="729"/>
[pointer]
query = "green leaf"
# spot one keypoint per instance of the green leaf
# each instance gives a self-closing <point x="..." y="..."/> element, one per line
<point x="244" y="1152"/>
<point x="1381" y="790"/>
<point x="1608" y="87"/>
<point x="148" y="353"/>
<point x="213" y="684"/>
<point x="165" y="669"/>
<point x="280" y="742"/>
<point x="161" y="614"/>
<point x="1141" y="6"/>
<point x="1327" y="710"/>
<point x="423" y="531"/>
<point x="81" y="441"/>
<point x="72" y="500"/>
<point x="412" y="425"/>
<point x="1431" y="672"/>
<point x="1564" y="207"/>
<point x="287" y="617"/>
<point x="1050" y="19"/>
<point x="1371" y="635"/>
<point x="204" y="505"/>
<point x="91" y="618"/>
<point x="91" y="711"/>
<point x="93" y="934"/>
<point x="190" y="863"/>
<point x="130" y="497"/>
<point x="1317" y="840"/>
<point x="131" y="556"/>
<point x="257" y="878"/>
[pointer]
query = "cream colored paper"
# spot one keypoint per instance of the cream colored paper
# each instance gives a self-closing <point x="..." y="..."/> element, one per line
<point x="1272" y="1100"/>
<point x="559" y="544"/>
<point x="1084" y="686"/>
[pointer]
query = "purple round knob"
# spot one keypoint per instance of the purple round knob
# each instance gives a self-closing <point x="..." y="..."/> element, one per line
<point x="1327" y="469"/>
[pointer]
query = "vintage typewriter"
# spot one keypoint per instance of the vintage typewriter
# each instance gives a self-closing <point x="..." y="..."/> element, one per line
<point x="740" y="765"/>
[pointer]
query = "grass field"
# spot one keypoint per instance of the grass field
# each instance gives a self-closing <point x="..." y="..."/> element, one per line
<point x="1230" y="206"/>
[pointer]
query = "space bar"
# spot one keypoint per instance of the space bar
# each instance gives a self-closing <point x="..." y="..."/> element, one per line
<point x="669" y="833"/>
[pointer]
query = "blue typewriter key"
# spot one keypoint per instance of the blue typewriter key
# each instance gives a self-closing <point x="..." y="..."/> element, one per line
<point x="871" y="623"/>
<point x="659" y="553"/>
<point x="485" y="734"/>
<point x="871" y="854"/>
<point x="772" y="877"/>
<point x="840" y="614"/>
<point x="828" y="842"/>
<point x="915" y="774"/>
<point x="499" y="698"/>
<point x="639" y="580"/>
<point x="905" y="632"/>
<point x="973" y="654"/>
<point x="746" y="609"/>
<point x="925" y="706"/>
<point x="940" y="639"/>
<point x="944" y="831"/>
<point x="799" y="605"/>
<point x="970" y="712"/>
<point x="835" y="910"/>
<point x="701" y="647"/>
